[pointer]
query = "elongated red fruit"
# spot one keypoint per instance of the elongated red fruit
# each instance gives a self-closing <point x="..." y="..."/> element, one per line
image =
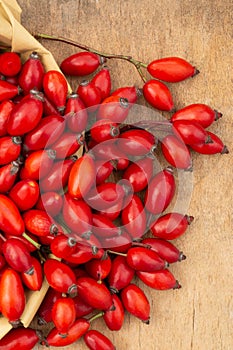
<point x="55" y="88"/>
<point x="171" y="225"/>
<point x="133" y="217"/>
<point x="102" y="81"/>
<point x="47" y="132"/>
<point x="60" y="276"/>
<point x="82" y="176"/>
<point x="5" y="109"/>
<point x="129" y="92"/>
<point x="81" y="64"/>
<point x="10" y="149"/>
<point x="32" y="73"/>
<point x="121" y="274"/>
<point x="96" y="340"/>
<point x="90" y="94"/>
<point x="139" y="173"/>
<point x="114" y="319"/>
<point x="136" y="142"/>
<point x="17" y="256"/>
<point x="171" y="69"/>
<point x="166" y="250"/>
<point x="7" y="90"/>
<point x="144" y="259"/>
<point x="176" y="152"/>
<point x="45" y="310"/>
<point x="115" y="108"/>
<point x="93" y="293"/>
<point x="25" y="194"/>
<point x="191" y="132"/>
<point x="51" y="202"/>
<point x="81" y="307"/>
<point x="99" y="268"/>
<point x="136" y="302"/>
<point x="12" y="298"/>
<point x="10" y="64"/>
<point x="11" y="221"/>
<point x="158" y="95"/>
<point x="63" y="314"/>
<point x="39" y="223"/>
<point x="216" y="146"/>
<point x="75" y="113"/>
<point x="76" y="331"/>
<point x="67" y="145"/>
<point x="197" y="112"/>
<point x="20" y="338"/>
<point x="8" y="175"/>
<point x="21" y="119"/>
<point x="34" y="281"/>
<point x="160" y="191"/>
<point x="104" y="130"/>
<point x="161" y="280"/>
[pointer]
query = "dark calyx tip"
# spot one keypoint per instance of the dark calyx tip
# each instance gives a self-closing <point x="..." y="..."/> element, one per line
<point x="16" y="323"/>
<point x="41" y="321"/>
<point x="225" y="150"/>
<point x="146" y="321"/>
<point x="181" y="256"/>
<point x="208" y="139"/>
<point x="72" y="290"/>
<point x="196" y="72"/>
<point x="113" y="290"/>
<point x="218" y="115"/>
<point x="189" y="219"/>
<point x="177" y="285"/>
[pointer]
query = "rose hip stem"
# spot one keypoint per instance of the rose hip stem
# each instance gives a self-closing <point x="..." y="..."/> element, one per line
<point x="137" y="64"/>
<point x="29" y="239"/>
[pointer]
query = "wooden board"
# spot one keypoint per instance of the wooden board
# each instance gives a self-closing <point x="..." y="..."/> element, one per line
<point x="200" y="315"/>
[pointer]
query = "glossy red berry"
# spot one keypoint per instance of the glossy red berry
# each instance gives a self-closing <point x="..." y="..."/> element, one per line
<point x="32" y="73"/>
<point x="39" y="223"/>
<point x="63" y="314"/>
<point x="99" y="268"/>
<point x="144" y="259"/>
<point x="44" y="312"/>
<point x="102" y="81"/>
<point x="166" y="250"/>
<point x="133" y="217"/>
<point x="136" y="142"/>
<point x="176" y="152"/>
<point x="93" y="293"/>
<point x="33" y="281"/>
<point x="75" y="113"/>
<point x="81" y="307"/>
<point x="171" y="69"/>
<point x="114" y="319"/>
<point x="158" y="95"/>
<point x="11" y="221"/>
<point x="47" y="132"/>
<point x="90" y="94"/>
<point x="170" y="225"/>
<point x="55" y="88"/>
<point x="115" y="108"/>
<point x="20" y="338"/>
<point x="67" y="145"/>
<point x="51" y="202"/>
<point x="103" y="227"/>
<point x="10" y="149"/>
<point x="216" y="146"/>
<point x="81" y="64"/>
<point x="25" y="194"/>
<point x="10" y="64"/>
<point x="103" y="170"/>
<point x="161" y="280"/>
<point x="190" y="132"/>
<point x="96" y="340"/>
<point x="129" y="92"/>
<point x="60" y="277"/>
<point x="8" y="90"/>
<point x="139" y="173"/>
<point x="121" y="274"/>
<point x="5" y="110"/>
<point x="160" y="191"/>
<point x="197" y="112"/>
<point x="8" y="176"/>
<point x="21" y="119"/>
<point x="76" y="331"/>
<point x="136" y="302"/>
<point x="104" y="130"/>
<point x="17" y="256"/>
<point x="11" y="286"/>
<point x="82" y="176"/>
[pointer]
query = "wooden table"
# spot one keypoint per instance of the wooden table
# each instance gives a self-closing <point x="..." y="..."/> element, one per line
<point x="200" y="315"/>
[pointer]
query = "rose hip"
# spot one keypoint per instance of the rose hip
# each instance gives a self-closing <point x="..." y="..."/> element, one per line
<point x="102" y="81"/>
<point x="8" y="90"/>
<point x="216" y="146"/>
<point x="32" y="73"/>
<point x="197" y="112"/>
<point x="121" y="274"/>
<point x="10" y="64"/>
<point x="39" y="223"/>
<point x="55" y="88"/>
<point x="176" y="152"/>
<point x="114" y="319"/>
<point x="136" y="142"/>
<point x="75" y="113"/>
<point x="114" y="108"/>
<point x="171" y="225"/>
<point x="60" y="277"/>
<point x="63" y="314"/>
<point x="191" y="132"/>
<point x="11" y="221"/>
<point x="5" y="109"/>
<point x="158" y="95"/>
<point x="8" y="176"/>
<point x="20" y="338"/>
<point x="81" y="64"/>
<point x="129" y="92"/>
<point x="10" y="149"/>
<point x="90" y="94"/>
<point x="96" y="340"/>
<point x="44" y="312"/>
<point x="67" y="145"/>
<point x="166" y="250"/>
<point x="139" y="173"/>
<point x="99" y="269"/>
<point x="25" y="194"/>
<point x="161" y="280"/>
<point x="34" y="281"/>
<point x="136" y="302"/>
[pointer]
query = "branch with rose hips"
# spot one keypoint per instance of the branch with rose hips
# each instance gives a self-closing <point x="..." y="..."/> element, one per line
<point x="53" y="202"/>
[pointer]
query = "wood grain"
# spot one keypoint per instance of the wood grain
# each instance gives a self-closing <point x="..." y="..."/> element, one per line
<point x="200" y="315"/>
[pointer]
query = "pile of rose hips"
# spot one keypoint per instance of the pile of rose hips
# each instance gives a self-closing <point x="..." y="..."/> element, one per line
<point x="66" y="218"/>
